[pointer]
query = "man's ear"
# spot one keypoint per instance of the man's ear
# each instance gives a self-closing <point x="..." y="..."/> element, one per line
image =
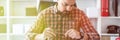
<point x="75" y="5"/>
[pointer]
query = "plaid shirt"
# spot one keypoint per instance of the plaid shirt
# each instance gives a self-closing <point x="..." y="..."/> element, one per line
<point x="61" y="22"/>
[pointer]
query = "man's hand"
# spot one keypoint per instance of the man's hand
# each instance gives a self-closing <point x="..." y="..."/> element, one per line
<point x="85" y="37"/>
<point x="73" y="34"/>
<point x="39" y="37"/>
<point x="47" y="34"/>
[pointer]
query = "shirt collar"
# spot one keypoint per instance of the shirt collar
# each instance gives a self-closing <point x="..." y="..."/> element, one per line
<point x="56" y="11"/>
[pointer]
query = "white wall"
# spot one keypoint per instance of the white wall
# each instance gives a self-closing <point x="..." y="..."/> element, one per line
<point x="83" y="4"/>
<point x="94" y="22"/>
<point x="90" y="7"/>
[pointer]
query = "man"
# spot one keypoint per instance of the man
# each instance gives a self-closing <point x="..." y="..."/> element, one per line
<point x="63" y="22"/>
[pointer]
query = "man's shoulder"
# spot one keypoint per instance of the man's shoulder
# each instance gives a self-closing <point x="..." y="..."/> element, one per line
<point x="79" y="11"/>
<point x="48" y="10"/>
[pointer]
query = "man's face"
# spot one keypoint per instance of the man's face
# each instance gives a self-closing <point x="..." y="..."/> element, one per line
<point x="66" y="5"/>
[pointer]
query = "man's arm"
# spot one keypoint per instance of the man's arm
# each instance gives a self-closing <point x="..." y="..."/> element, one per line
<point x="37" y="27"/>
<point x="88" y="28"/>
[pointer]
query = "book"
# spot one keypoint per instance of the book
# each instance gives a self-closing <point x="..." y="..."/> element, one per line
<point x="110" y="8"/>
<point x="113" y="7"/>
<point x="3" y="28"/>
<point x="31" y="11"/>
<point x="1" y="11"/>
<point x="104" y="8"/>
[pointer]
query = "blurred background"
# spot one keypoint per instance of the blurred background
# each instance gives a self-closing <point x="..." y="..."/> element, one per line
<point x="17" y="16"/>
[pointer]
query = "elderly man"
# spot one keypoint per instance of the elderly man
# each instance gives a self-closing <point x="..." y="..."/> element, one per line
<point x="63" y="21"/>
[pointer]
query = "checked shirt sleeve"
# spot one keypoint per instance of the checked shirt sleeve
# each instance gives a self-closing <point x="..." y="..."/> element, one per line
<point x="37" y="27"/>
<point x="88" y="28"/>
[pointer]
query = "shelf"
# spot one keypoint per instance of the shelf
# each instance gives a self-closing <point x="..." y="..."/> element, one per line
<point x="19" y="17"/>
<point x="110" y="17"/>
<point x="2" y="17"/>
<point x="3" y="20"/>
<point x="3" y="37"/>
<point x="49" y="0"/>
<point x="92" y="17"/>
<point x="3" y="34"/>
<point x="2" y="0"/>
<point x="23" y="0"/>
<point x="106" y="34"/>
<point x="17" y="37"/>
<point x="17" y="34"/>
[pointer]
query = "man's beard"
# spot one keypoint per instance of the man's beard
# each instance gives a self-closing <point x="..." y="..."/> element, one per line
<point x="66" y="12"/>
